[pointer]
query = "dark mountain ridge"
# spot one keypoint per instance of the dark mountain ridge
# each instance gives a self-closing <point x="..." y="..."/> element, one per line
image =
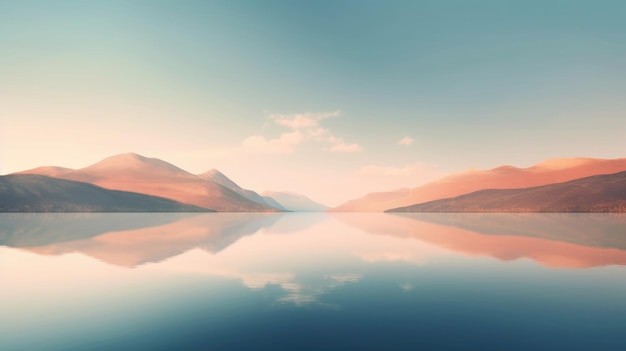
<point x="600" y="193"/>
<point x="37" y="193"/>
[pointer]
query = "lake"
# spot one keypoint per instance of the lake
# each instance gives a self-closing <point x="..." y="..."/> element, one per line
<point x="312" y="281"/>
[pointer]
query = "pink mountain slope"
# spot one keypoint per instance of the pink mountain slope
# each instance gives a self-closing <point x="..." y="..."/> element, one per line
<point x="218" y="177"/>
<point x="132" y="172"/>
<point x="49" y="171"/>
<point x="505" y="177"/>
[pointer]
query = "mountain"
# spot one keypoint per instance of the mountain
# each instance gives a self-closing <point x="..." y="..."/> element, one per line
<point x="270" y="201"/>
<point x="37" y="193"/>
<point x="296" y="202"/>
<point x="151" y="176"/>
<point x="601" y="193"/>
<point x="504" y="177"/>
<point x="218" y="177"/>
<point x="50" y="171"/>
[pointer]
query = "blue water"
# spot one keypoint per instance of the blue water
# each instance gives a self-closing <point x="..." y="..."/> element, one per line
<point x="312" y="282"/>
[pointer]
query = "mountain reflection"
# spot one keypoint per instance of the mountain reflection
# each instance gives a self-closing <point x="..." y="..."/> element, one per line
<point x="552" y="240"/>
<point x="38" y="229"/>
<point x="129" y="240"/>
<point x="267" y="268"/>
<point x="300" y="258"/>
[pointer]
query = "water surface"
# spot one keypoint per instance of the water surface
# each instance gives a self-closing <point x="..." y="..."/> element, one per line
<point x="226" y="281"/>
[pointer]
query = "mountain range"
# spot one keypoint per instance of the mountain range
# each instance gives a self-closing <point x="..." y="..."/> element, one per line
<point x="600" y="193"/>
<point x="218" y="177"/>
<point x="37" y="193"/>
<point x="134" y="173"/>
<point x="504" y="177"/>
<point x="294" y="202"/>
<point x="557" y="185"/>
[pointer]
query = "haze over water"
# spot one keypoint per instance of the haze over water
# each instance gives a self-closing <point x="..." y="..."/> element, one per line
<point x="235" y="281"/>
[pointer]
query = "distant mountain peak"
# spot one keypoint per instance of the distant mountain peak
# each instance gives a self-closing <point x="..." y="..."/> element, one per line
<point x="503" y="177"/>
<point x="133" y="162"/>
<point x="49" y="171"/>
<point x="285" y="192"/>
<point x="295" y="202"/>
<point x="130" y="154"/>
<point x="559" y="163"/>
<point x="506" y="168"/>
<point x="220" y="178"/>
<point x="213" y="175"/>
<point x="213" y="172"/>
<point x="126" y="158"/>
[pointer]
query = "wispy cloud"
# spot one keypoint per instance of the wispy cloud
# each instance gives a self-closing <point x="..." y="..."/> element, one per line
<point x="305" y="127"/>
<point x="345" y="147"/>
<point x="406" y="141"/>
<point x="285" y="144"/>
<point x="302" y="120"/>
<point x="406" y="287"/>
<point x="409" y="170"/>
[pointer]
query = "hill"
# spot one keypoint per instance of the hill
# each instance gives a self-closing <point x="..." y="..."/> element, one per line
<point x="37" y="193"/>
<point x="151" y="176"/>
<point x="218" y="177"/>
<point x="295" y="202"/>
<point x="601" y="193"/>
<point x="504" y="177"/>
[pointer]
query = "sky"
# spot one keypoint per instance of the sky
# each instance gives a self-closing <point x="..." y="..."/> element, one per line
<point x="331" y="99"/>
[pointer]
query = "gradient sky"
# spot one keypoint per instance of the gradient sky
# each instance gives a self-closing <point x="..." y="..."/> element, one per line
<point x="332" y="99"/>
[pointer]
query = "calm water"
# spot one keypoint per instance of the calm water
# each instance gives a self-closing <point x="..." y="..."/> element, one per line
<point x="312" y="282"/>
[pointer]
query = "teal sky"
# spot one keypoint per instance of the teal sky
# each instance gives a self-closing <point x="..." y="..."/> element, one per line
<point x="206" y="84"/>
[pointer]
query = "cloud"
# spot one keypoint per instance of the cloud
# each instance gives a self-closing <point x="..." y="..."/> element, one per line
<point x="345" y="278"/>
<point x="285" y="144"/>
<point x="260" y="280"/>
<point x="318" y="133"/>
<point x="302" y="120"/>
<point x="410" y="170"/>
<point x="344" y="147"/>
<point x="406" y="141"/>
<point x="305" y="128"/>
<point x="406" y="287"/>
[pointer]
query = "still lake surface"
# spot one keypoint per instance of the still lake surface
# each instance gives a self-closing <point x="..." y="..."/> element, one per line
<point x="228" y="281"/>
